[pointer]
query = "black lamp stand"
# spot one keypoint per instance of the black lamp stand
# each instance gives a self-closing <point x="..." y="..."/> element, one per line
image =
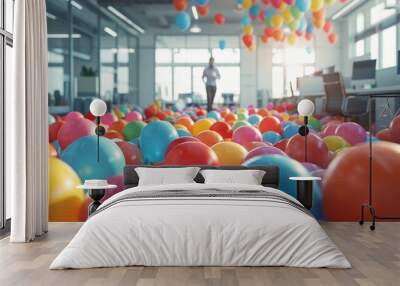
<point x="100" y="131"/>
<point x="303" y="131"/>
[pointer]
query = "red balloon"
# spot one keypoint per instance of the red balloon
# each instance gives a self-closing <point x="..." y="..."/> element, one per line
<point x="53" y="130"/>
<point x="270" y="123"/>
<point x="201" y="112"/>
<point x="161" y="115"/>
<point x="269" y="31"/>
<point x="317" y="152"/>
<point x="345" y="182"/>
<point x="247" y="40"/>
<point x="219" y="19"/>
<point x="74" y="129"/>
<point x="223" y="128"/>
<point x="150" y="111"/>
<point x="131" y="153"/>
<point x="395" y="129"/>
<point x="385" y="135"/>
<point x="202" y="10"/>
<point x="180" y="5"/>
<point x="209" y="137"/>
<point x="328" y="27"/>
<point x="282" y="144"/>
<point x="90" y="116"/>
<point x="191" y="153"/>
<point x="113" y="134"/>
<point x="332" y="38"/>
<point x="180" y="140"/>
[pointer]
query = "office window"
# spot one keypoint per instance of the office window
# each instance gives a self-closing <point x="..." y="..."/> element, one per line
<point x="360" y="24"/>
<point x="360" y="48"/>
<point x="389" y="47"/>
<point x="191" y="55"/>
<point x="182" y="84"/>
<point x="163" y="56"/>
<point x="379" y="13"/>
<point x="277" y="82"/>
<point x="374" y="48"/>
<point x="164" y="82"/>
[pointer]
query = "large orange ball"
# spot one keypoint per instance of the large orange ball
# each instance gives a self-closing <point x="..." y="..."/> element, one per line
<point x="270" y="123"/>
<point x="230" y="153"/>
<point x="317" y="151"/>
<point x="346" y="182"/>
<point x="185" y="121"/>
<point x="191" y="153"/>
<point x="209" y="137"/>
<point x="223" y="128"/>
<point x="231" y="117"/>
<point x="180" y="5"/>
<point x="118" y="126"/>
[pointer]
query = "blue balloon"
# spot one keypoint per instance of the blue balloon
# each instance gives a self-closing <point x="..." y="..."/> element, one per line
<point x="201" y="2"/>
<point x="290" y="168"/>
<point x="254" y="10"/>
<point x="310" y="27"/>
<point x="183" y="132"/>
<point x="182" y="21"/>
<point x="271" y="137"/>
<point x="154" y="140"/>
<point x="302" y="25"/>
<point x="269" y="12"/>
<point x="254" y="119"/>
<point x="246" y="20"/>
<point x="214" y="115"/>
<point x="222" y="44"/>
<point x="303" y="5"/>
<point x="50" y="119"/>
<point x="290" y="130"/>
<point x="81" y="155"/>
<point x="239" y="2"/>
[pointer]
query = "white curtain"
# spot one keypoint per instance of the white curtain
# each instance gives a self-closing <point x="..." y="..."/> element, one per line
<point x="27" y="133"/>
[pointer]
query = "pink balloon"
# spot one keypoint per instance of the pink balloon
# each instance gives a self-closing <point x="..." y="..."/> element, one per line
<point x="246" y="134"/>
<point x="352" y="132"/>
<point x="116" y="180"/>
<point x="263" y="150"/>
<point x="329" y="130"/>
<point x="108" y="119"/>
<point x="133" y="115"/>
<point x="73" y="115"/>
<point x="289" y="2"/>
<point x="74" y="129"/>
<point x="276" y="3"/>
<point x="270" y="106"/>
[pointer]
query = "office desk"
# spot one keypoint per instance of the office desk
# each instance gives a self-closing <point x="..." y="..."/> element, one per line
<point x="375" y="92"/>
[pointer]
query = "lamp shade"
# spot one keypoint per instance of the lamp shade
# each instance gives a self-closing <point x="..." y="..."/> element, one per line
<point x="98" y="107"/>
<point x="305" y="107"/>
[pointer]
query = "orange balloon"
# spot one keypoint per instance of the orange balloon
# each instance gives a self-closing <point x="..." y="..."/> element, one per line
<point x="223" y="129"/>
<point x="209" y="137"/>
<point x="319" y="23"/>
<point x="319" y="14"/>
<point x="332" y="38"/>
<point x="185" y="121"/>
<point x="180" y="5"/>
<point x="263" y="112"/>
<point x="270" y="123"/>
<point x="203" y="10"/>
<point x="230" y="117"/>
<point x="118" y="126"/>
<point x="345" y="182"/>
<point x="113" y="134"/>
<point x="225" y="112"/>
<point x="278" y="35"/>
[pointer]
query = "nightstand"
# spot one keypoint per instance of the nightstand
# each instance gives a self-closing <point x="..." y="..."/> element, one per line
<point x="96" y="193"/>
<point x="305" y="190"/>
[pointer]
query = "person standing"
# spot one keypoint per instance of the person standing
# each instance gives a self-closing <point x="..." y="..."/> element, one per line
<point x="210" y="76"/>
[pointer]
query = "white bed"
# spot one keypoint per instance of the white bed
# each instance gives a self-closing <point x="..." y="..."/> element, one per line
<point x="185" y="230"/>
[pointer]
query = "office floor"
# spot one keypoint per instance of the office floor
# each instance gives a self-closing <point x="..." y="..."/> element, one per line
<point x="375" y="257"/>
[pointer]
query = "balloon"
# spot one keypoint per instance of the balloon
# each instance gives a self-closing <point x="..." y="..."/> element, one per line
<point x="182" y="21"/>
<point x="335" y="143"/>
<point x="185" y="121"/>
<point x="240" y="123"/>
<point x="254" y="119"/>
<point x="191" y="153"/>
<point x="154" y="140"/>
<point x="183" y="132"/>
<point x="133" y="115"/>
<point x="246" y="134"/>
<point x="219" y="19"/>
<point x="330" y="129"/>
<point x="385" y="135"/>
<point x="276" y="3"/>
<point x="252" y="145"/>
<point x="292" y="39"/>
<point x="180" y="5"/>
<point x="277" y="21"/>
<point x="332" y="38"/>
<point x="131" y="152"/>
<point x="271" y="137"/>
<point x="209" y="137"/>
<point x="201" y="2"/>
<point x="254" y="10"/>
<point x="290" y="130"/>
<point x="133" y="129"/>
<point x="229" y="153"/>
<point x="346" y="182"/>
<point x="246" y="4"/>
<point x="108" y="119"/>
<point x="223" y="128"/>
<point x="73" y="115"/>
<point x="317" y="151"/>
<point x="287" y="16"/>
<point x="248" y="30"/>
<point x="352" y="132"/>
<point x="395" y="129"/>
<point x="264" y="39"/>
<point x="242" y="116"/>
<point x="246" y="21"/>
<point x="222" y="44"/>
<point x="327" y="27"/>
<point x="282" y="144"/>
<point x="64" y="199"/>
<point x="314" y="124"/>
<point x="270" y="123"/>
<point x="202" y="10"/>
<point x="231" y="117"/>
<point x="247" y="40"/>
<point x="316" y="5"/>
<point x="278" y="35"/>
<point x="54" y="128"/>
<point x="118" y="126"/>
<point x="180" y="140"/>
<point x="74" y="129"/>
<point x="201" y="125"/>
<point x="263" y="150"/>
<point x="214" y="115"/>
<point x="303" y="5"/>
<point x="289" y="168"/>
<point x="113" y="134"/>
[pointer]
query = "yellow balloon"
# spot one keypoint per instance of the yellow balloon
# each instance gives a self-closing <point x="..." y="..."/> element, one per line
<point x="65" y="200"/>
<point x="248" y="30"/>
<point x="229" y="153"/>
<point x="316" y="5"/>
<point x="201" y="125"/>
<point x="243" y="110"/>
<point x="285" y="116"/>
<point x="277" y="21"/>
<point x="180" y="126"/>
<point x="287" y="16"/>
<point x="330" y="2"/>
<point x="334" y="143"/>
<point x="283" y="6"/>
<point x="247" y="4"/>
<point x="292" y="39"/>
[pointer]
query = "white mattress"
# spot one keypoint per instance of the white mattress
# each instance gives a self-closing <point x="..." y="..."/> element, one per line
<point x="200" y="231"/>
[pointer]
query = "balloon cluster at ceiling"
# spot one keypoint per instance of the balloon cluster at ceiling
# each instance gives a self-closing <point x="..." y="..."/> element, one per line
<point x="283" y="20"/>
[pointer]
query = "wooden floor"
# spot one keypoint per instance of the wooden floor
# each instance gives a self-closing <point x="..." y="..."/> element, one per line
<point x="375" y="257"/>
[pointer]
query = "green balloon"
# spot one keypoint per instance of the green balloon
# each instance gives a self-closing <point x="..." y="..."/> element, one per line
<point x="268" y="22"/>
<point x="315" y="124"/>
<point x="133" y="129"/>
<point x="296" y="13"/>
<point x="294" y="25"/>
<point x="242" y="116"/>
<point x="240" y="123"/>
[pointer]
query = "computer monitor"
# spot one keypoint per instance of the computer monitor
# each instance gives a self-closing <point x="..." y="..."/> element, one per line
<point x="364" y="73"/>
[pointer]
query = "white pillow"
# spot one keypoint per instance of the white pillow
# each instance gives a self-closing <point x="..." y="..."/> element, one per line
<point x="166" y="176"/>
<point x="248" y="177"/>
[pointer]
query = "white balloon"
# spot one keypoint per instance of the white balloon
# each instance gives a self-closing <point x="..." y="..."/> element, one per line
<point x="98" y="107"/>
<point x="305" y="107"/>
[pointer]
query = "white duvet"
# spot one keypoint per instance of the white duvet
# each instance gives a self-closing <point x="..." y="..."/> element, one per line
<point x="200" y="231"/>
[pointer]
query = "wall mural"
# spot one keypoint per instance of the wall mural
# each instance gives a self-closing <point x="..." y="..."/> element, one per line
<point x="337" y="152"/>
